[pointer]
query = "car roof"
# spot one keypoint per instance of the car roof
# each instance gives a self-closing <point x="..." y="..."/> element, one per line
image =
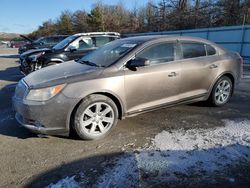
<point x="161" y="38"/>
<point x="50" y="36"/>
<point x="165" y="37"/>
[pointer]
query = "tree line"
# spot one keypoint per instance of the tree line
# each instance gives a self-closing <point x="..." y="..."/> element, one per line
<point x="153" y="16"/>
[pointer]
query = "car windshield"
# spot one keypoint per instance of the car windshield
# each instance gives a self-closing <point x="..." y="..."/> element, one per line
<point x="109" y="53"/>
<point x="39" y="40"/>
<point x="64" y="42"/>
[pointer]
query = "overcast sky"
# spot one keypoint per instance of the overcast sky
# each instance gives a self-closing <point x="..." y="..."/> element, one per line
<point x="24" y="16"/>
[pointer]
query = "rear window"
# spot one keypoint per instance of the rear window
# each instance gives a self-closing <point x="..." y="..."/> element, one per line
<point x="191" y="50"/>
<point x="113" y="38"/>
<point x="100" y="41"/>
<point x="210" y="50"/>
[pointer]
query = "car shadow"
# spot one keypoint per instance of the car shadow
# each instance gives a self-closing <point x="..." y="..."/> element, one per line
<point x="152" y="168"/>
<point x="9" y="56"/>
<point x="200" y="104"/>
<point x="11" y="74"/>
<point x="9" y="127"/>
<point x="8" y="124"/>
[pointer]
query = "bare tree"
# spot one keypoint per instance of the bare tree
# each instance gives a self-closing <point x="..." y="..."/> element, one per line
<point x="153" y="16"/>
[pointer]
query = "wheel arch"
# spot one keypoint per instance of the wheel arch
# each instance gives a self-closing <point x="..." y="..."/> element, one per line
<point x="116" y="100"/>
<point x="229" y="75"/>
<point x="54" y="60"/>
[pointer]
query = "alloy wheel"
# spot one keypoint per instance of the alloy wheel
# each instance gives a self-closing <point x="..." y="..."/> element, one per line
<point x="222" y="92"/>
<point x="97" y="118"/>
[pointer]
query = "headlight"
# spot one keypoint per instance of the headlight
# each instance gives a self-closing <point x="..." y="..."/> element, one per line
<point x="35" y="56"/>
<point x="44" y="93"/>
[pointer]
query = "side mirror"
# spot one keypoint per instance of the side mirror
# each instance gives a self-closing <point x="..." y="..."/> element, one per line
<point x="72" y="48"/>
<point x="138" y="62"/>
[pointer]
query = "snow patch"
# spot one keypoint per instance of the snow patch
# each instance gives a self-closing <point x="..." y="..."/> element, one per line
<point x="232" y="133"/>
<point x="125" y="173"/>
<point x="178" y="155"/>
<point x="68" y="182"/>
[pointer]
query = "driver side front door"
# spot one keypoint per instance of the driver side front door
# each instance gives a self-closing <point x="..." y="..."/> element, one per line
<point x="155" y="85"/>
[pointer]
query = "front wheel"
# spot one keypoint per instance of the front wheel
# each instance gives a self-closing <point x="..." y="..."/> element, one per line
<point x="95" y="117"/>
<point x="222" y="92"/>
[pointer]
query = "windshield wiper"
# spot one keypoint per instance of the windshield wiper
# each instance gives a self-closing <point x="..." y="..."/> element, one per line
<point x="89" y="63"/>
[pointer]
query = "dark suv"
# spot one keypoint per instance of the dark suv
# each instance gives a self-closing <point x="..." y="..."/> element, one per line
<point x="43" y="42"/>
<point x="71" y="48"/>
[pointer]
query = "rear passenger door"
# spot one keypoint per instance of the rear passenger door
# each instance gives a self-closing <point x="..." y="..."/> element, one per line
<point x="198" y="68"/>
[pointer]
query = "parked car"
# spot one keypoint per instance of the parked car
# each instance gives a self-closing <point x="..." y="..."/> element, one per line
<point x="17" y="44"/>
<point x="71" y="48"/>
<point x="124" y="78"/>
<point x="43" y="42"/>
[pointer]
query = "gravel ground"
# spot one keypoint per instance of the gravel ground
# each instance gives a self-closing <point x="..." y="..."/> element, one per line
<point x="28" y="160"/>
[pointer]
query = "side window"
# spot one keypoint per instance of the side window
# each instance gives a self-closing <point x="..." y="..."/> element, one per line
<point x="44" y="41"/>
<point x="85" y="43"/>
<point x="159" y="53"/>
<point x="49" y="40"/>
<point x="82" y="43"/>
<point x="112" y="38"/>
<point x="210" y="50"/>
<point x="55" y="40"/>
<point x="191" y="50"/>
<point x="100" y="41"/>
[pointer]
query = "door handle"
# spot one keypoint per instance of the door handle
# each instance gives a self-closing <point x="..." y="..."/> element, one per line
<point x="172" y="74"/>
<point x="213" y="66"/>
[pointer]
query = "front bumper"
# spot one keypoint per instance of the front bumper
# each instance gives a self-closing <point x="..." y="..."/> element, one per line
<point x="24" y="67"/>
<point x="38" y="128"/>
<point x="49" y="117"/>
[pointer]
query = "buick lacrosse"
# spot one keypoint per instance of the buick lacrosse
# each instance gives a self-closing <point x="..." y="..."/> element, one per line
<point x="124" y="78"/>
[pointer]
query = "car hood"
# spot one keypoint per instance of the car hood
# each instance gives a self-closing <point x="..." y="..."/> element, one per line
<point x="61" y="73"/>
<point x="27" y="38"/>
<point x="30" y="52"/>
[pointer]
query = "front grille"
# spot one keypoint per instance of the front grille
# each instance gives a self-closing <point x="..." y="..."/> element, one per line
<point x="23" y="63"/>
<point x="21" y="89"/>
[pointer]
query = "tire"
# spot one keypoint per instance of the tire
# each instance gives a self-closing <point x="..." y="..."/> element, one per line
<point x="221" y="92"/>
<point x="95" y="117"/>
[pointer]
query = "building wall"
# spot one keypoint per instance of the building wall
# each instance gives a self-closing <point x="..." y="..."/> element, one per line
<point x="234" y="38"/>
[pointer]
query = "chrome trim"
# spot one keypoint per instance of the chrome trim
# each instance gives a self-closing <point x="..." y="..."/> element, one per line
<point x="98" y="33"/>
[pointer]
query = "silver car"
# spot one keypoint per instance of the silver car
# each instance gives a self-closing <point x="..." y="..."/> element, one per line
<point x="125" y="78"/>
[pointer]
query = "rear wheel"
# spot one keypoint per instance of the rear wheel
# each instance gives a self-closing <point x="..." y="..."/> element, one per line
<point x="222" y="92"/>
<point x="95" y="117"/>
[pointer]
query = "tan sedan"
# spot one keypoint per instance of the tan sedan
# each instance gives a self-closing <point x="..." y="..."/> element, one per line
<point x="125" y="78"/>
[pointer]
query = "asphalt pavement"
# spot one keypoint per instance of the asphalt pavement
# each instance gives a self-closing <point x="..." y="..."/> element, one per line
<point x="29" y="160"/>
